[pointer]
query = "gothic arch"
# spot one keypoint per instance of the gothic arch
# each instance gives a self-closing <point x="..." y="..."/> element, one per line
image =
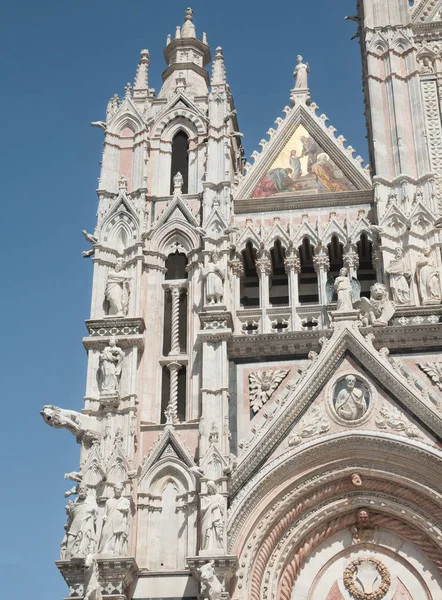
<point x="120" y="228"/>
<point x="183" y="119"/>
<point x="169" y="238"/>
<point x="126" y="119"/>
<point x="166" y="519"/>
<point x="167" y="467"/>
<point x="279" y="515"/>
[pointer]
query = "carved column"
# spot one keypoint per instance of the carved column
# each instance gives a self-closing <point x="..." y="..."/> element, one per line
<point x="175" y="320"/>
<point x="237" y="270"/>
<point x="351" y="260"/>
<point x="172" y="407"/>
<point x="292" y="266"/>
<point x="321" y="263"/>
<point x="264" y="268"/>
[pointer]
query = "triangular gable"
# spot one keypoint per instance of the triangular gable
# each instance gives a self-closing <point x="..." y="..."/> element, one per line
<point x="180" y="105"/>
<point x="215" y="225"/>
<point x="303" y="156"/>
<point x="167" y="438"/>
<point x="177" y="209"/>
<point x="346" y="340"/>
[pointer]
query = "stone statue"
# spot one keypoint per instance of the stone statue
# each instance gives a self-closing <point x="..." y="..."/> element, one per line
<point x="428" y="278"/>
<point x="214" y="277"/>
<point x="399" y="277"/>
<point x="115" y="532"/>
<point x="110" y="361"/>
<point x="211" y="586"/>
<point x="300" y="72"/>
<point x="91" y="582"/>
<point x="348" y="291"/>
<point x="212" y="518"/>
<point x="80" y="539"/>
<point x="378" y="310"/>
<point x="350" y="403"/>
<point x="117" y="291"/>
<point x="363" y="530"/>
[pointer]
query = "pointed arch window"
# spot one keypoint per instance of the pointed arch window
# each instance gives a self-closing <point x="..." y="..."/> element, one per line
<point x="180" y="160"/>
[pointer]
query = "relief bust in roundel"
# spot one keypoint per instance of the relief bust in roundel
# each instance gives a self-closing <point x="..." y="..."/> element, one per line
<point x="350" y="400"/>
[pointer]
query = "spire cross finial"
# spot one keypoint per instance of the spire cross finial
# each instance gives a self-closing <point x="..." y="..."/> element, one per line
<point x="189" y="14"/>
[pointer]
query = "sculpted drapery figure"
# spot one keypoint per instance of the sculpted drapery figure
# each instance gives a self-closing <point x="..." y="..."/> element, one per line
<point x="348" y="291"/>
<point x="399" y="276"/>
<point x="428" y="278"/>
<point x="117" y="291"/>
<point x="350" y="403"/>
<point x="343" y="289"/>
<point x="116" y="521"/>
<point x="80" y="539"/>
<point x="214" y="277"/>
<point x="110" y="367"/>
<point x="300" y="72"/>
<point x="212" y="518"/>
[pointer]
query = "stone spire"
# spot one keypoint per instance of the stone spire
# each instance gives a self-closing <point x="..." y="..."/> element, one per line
<point x="186" y="57"/>
<point x="188" y="29"/>
<point x="141" y="89"/>
<point x="218" y="69"/>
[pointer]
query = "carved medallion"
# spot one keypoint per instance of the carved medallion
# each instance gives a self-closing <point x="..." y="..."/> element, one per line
<point x="367" y="578"/>
<point x="351" y="400"/>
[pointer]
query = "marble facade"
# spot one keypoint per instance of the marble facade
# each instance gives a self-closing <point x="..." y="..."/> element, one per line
<point x="262" y="415"/>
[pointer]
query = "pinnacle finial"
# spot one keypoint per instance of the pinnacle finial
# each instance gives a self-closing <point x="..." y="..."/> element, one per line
<point x="128" y="90"/>
<point x="188" y="29"/>
<point x="218" y="68"/>
<point x="141" y="78"/>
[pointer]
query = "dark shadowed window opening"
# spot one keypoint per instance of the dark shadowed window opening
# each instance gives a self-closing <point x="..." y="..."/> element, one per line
<point x="308" y="280"/>
<point x="176" y="266"/>
<point x="278" y="280"/>
<point x="249" y="290"/>
<point x="180" y="160"/>
<point x="165" y="392"/>
<point x="366" y="272"/>
<point x="182" y="384"/>
<point x="335" y="253"/>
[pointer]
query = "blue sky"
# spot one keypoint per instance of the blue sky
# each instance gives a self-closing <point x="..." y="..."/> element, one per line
<point x="60" y="63"/>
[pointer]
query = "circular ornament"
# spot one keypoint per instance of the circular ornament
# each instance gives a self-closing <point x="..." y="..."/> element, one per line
<point x="367" y="579"/>
<point x="350" y="399"/>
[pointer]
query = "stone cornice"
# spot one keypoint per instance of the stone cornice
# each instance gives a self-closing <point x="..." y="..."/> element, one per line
<point x="299" y="343"/>
<point x="290" y="202"/>
<point x="428" y="31"/>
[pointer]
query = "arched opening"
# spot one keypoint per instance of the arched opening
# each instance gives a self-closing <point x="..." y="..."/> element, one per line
<point x="308" y="279"/>
<point x="180" y="160"/>
<point x="176" y="266"/>
<point x="165" y="392"/>
<point x="249" y="291"/>
<point x="278" y="280"/>
<point x="126" y="155"/>
<point x="335" y="253"/>
<point x="366" y="272"/>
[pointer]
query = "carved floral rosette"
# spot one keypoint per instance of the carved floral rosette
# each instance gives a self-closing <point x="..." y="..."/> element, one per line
<point x="357" y="592"/>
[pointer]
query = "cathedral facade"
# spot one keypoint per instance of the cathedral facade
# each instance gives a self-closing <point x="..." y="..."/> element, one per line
<point x="262" y="417"/>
